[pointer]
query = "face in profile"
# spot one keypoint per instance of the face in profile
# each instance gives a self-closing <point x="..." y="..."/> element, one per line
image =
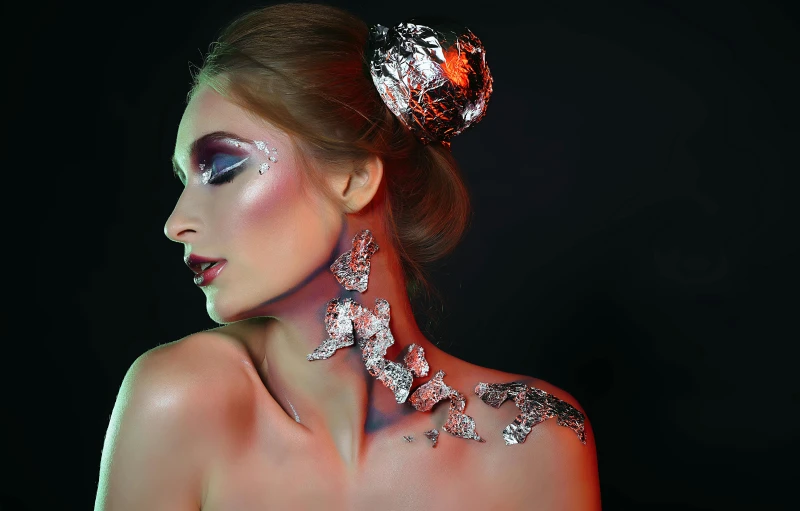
<point x="270" y="231"/>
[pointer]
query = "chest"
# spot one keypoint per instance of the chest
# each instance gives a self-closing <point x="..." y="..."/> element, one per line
<point x="281" y="474"/>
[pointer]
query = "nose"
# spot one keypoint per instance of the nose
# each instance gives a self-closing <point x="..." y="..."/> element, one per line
<point x="183" y="223"/>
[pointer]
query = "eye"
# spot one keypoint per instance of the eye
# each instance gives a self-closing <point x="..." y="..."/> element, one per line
<point x="221" y="168"/>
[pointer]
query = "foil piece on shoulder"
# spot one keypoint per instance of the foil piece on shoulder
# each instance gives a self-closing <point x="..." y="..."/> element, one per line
<point x="414" y="360"/>
<point x="432" y="76"/>
<point x="408" y="438"/>
<point x="458" y="423"/>
<point x="351" y="269"/>
<point x="495" y="394"/>
<point x="432" y="435"/>
<point x="536" y="406"/>
<point x="430" y="393"/>
<point x="434" y="390"/>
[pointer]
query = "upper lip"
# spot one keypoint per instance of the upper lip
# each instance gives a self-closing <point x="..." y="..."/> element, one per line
<point x="196" y="262"/>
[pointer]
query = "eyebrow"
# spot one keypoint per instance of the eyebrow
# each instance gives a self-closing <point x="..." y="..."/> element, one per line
<point x="205" y="139"/>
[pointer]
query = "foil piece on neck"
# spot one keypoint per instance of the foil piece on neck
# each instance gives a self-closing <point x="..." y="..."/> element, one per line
<point x="408" y="438"/>
<point x="536" y="406"/>
<point x="351" y="269"/>
<point x="432" y="435"/>
<point x="347" y="322"/>
<point x="397" y="379"/>
<point x="415" y="361"/>
<point x="339" y="325"/>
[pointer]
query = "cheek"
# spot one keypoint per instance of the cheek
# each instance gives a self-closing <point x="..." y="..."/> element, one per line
<point x="280" y="231"/>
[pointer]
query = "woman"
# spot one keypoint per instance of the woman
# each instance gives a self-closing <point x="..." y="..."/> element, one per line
<point x="311" y="202"/>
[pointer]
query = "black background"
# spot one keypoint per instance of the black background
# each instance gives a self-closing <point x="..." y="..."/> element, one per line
<point x="633" y="184"/>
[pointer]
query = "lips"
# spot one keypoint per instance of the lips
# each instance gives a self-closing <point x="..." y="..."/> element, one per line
<point x="204" y="268"/>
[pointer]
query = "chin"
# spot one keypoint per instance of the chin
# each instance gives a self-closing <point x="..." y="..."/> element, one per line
<point x="223" y="313"/>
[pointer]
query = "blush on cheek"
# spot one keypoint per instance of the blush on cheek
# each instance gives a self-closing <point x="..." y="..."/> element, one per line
<point x="280" y="233"/>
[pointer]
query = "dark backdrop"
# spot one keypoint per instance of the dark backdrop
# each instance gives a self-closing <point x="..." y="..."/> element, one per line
<point x="633" y="185"/>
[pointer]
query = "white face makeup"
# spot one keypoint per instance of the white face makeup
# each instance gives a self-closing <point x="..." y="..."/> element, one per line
<point x="242" y="205"/>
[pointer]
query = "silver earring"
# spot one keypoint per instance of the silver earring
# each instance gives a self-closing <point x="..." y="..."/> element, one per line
<point x="351" y="269"/>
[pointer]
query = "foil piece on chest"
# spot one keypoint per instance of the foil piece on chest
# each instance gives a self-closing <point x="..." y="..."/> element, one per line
<point x="536" y="406"/>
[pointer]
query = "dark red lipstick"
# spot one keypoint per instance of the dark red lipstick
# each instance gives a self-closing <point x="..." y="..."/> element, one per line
<point x="205" y="269"/>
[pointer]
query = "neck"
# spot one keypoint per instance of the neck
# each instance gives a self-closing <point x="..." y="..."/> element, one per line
<point x="337" y="397"/>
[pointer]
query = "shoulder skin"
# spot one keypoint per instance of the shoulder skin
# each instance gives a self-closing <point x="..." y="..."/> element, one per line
<point x="561" y="472"/>
<point x="174" y="404"/>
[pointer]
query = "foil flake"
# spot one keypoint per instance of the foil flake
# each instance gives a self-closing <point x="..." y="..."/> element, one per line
<point x="432" y="435"/>
<point x="433" y="78"/>
<point x="408" y="438"/>
<point x="430" y="393"/>
<point x="351" y="269"/>
<point x="536" y="406"/>
<point x="347" y="322"/>
<point x="414" y="360"/>
<point x="495" y="394"/>
<point x="434" y="390"/>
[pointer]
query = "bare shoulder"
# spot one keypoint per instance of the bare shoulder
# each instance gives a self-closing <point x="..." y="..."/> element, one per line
<point x="560" y="471"/>
<point x="165" y="428"/>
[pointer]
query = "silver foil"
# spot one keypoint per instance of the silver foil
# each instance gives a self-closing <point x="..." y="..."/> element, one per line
<point x="408" y="438"/>
<point x="434" y="390"/>
<point x="433" y="78"/>
<point x="536" y="406"/>
<point x="414" y="360"/>
<point x="495" y="394"/>
<point x="430" y="393"/>
<point x="351" y="269"/>
<point x="339" y="325"/>
<point x="432" y="435"/>
<point x="347" y="322"/>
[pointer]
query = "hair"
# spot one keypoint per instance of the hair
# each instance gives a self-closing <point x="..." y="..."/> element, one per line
<point x="302" y="68"/>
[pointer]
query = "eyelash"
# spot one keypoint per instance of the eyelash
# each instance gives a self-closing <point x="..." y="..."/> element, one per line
<point x="227" y="174"/>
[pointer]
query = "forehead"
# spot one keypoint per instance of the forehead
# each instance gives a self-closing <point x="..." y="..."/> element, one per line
<point x="208" y="112"/>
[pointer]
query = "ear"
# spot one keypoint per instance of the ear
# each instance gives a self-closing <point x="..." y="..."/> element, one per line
<point x="357" y="188"/>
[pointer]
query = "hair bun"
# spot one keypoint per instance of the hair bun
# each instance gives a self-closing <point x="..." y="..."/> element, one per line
<point x="433" y="77"/>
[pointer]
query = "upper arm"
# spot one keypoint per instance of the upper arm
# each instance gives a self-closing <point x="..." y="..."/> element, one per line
<point x="163" y="432"/>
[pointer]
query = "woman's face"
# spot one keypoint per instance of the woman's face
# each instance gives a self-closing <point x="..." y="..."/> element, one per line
<point x="272" y="232"/>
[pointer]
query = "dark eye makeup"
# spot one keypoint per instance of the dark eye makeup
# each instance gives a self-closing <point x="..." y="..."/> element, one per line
<point x="218" y="157"/>
<point x="222" y="168"/>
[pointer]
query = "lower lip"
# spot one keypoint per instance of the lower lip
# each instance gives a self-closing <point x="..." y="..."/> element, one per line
<point x="205" y="278"/>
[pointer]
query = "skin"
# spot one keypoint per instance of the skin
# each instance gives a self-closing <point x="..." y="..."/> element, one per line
<point x="279" y="237"/>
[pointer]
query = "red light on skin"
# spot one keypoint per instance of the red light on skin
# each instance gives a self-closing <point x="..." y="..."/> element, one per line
<point x="456" y="66"/>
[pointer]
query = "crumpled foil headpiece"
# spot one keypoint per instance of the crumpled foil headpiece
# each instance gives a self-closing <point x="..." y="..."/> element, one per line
<point x="433" y="77"/>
